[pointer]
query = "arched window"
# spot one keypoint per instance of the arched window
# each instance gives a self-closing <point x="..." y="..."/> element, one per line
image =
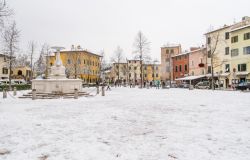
<point x="19" y="73"/>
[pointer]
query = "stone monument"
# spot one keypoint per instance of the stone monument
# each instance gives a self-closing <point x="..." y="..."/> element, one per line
<point x="57" y="81"/>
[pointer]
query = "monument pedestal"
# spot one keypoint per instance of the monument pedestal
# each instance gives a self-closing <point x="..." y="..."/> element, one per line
<point x="57" y="81"/>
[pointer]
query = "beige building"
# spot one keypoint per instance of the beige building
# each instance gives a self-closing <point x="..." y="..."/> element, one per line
<point x="4" y="67"/>
<point x="119" y="71"/>
<point x="134" y="70"/>
<point x="167" y="52"/>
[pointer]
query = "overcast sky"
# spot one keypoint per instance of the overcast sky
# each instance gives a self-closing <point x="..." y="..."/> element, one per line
<point x="105" y="24"/>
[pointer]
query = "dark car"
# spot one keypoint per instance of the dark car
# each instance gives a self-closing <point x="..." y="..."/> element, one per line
<point x="243" y="86"/>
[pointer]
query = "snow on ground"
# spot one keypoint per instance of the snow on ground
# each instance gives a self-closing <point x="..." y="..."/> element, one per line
<point x="129" y="124"/>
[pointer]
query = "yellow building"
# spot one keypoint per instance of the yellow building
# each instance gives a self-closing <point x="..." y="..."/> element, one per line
<point x="22" y="73"/>
<point x="229" y="48"/>
<point x="152" y="72"/>
<point x="80" y="64"/>
<point x="240" y="52"/>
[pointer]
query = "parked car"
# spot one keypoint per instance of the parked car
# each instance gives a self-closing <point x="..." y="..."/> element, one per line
<point x="202" y="85"/>
<point x="184" y="85"/>
<point x="243" y="86"/>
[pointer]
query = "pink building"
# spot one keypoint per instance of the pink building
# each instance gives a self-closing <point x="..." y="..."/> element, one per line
<point x="197" y="61"/>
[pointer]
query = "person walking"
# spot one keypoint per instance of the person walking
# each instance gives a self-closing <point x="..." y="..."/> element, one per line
<point x="108" y="86"/>
<point x="158" y="85"/>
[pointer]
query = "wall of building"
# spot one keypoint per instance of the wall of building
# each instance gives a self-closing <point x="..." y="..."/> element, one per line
<point x="166" y="61"/>
<point x="87" y="65"/>
<point x="197" y="62"/>
<point x="180" y="60"/>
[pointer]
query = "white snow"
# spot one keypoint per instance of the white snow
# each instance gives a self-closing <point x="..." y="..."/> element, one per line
<point x="129" y="124"/>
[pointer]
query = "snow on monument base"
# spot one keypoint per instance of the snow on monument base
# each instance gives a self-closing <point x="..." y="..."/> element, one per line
<point x="56" y="85"/>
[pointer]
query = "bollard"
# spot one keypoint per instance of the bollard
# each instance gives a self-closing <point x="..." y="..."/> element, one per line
<point x="103" y="90"/>
<point x="76" y="93"/>
<point x="14" y="93"/>
<point x="4" y="93"/>
<point x="33" y="94"/>
<point x="97" y="90"/>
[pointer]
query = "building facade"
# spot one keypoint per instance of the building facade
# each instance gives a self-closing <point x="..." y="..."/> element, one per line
<point x="167" y="52"/>
<point x="80" y="64"/>
<point x="22" y="73"/>
<point x="119" y="72"/>
<point x="228" y="53"/>
<point x="180" y="65"/>
<point x="4" y="67"/>
<point x="134" y="71"/>
<point x="152" y="72"/>
<point x="197" y="61"/>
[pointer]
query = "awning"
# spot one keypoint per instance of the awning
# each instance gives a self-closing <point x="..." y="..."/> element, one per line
<point x="242" y="73"/>
<point x="210" y="75"/>
<point x="224" y="74"/>
<point x="190" y="78"/>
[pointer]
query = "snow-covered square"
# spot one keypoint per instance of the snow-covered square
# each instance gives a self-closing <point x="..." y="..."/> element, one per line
<point x="129" y="124"/>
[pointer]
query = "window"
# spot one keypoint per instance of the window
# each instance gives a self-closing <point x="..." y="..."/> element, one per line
<point x="172" y="51"/>
<point x="145" y="68"/>
<point x="227" y="67"/>
<point x="192" y="63"/>
<point x="227" y="35"/>
<point x="247" y="36"/>
<point x="129" y="68"/>
<point x="145" y="75"/>
<point x="156" y="75"/>
<point x="203" y="72"/>
<point x="209" y="54"/>
<point x="5" y="71"/>
<point x="69" y="62"/>
<point x="186" y="67"/>
<point x="180" y="68"/>
<point x="79" y="61"/>
<point x="234" y="39"/>
<point x="167" y="51"/>
<point x="167" y="69"/>
<point x="227" y="51"/>
<point x="153" y="75"/>
<point x="129" y="75"/>
<point x="192" y="73"/>
<point x="242" y="67"/>
<point x="156" y="67"/>
<point x="84" y="61"/>
<point x="135" y="68"/>
<point x="246" y="50"/>
<point x="234" y="52"/>
<point x="176" y="68"/>
<point x="209" y="69"/>
<point x="208" y="40"/>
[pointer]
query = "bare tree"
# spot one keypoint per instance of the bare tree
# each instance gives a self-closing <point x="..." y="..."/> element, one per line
<point x="5" y="12"/>
<point x="32" y="48"/>
<point x="142" y="48"/>
<point x="213" y="40"/>
<point x="41" y="65"/>
<point x="21" y="60"/>
<point x="10" y="39"/>
<point x="117" y="59"/>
